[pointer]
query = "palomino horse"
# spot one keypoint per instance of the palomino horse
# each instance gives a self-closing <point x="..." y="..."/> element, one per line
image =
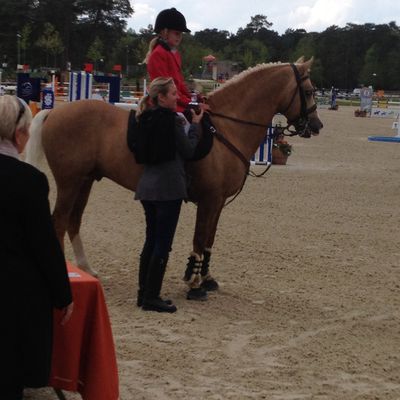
<point x="86" y="140"/>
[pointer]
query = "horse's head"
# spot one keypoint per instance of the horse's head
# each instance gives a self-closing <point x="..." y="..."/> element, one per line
<point x="301" y="110"/>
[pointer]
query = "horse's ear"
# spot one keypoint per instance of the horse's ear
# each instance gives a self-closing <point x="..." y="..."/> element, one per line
<point x="308" y="63"/>
<point x="300" y="60"/>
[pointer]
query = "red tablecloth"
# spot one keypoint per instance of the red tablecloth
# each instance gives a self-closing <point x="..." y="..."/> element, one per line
<point x="83" y="352"/>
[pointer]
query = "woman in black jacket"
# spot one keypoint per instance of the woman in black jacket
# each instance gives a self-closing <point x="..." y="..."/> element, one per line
<point x="162" y="144"/>
<point x="33" y="272"/>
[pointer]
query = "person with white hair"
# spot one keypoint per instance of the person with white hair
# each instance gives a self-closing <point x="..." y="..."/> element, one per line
<point x="33" y="271"/>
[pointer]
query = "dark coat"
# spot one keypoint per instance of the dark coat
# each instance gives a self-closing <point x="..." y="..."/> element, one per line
<point x="33" y="275"/>
<point x="152" y="137"/>
<point x="168" y="181"/>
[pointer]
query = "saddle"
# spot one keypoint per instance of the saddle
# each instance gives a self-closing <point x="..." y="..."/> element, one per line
<point x="206" y="139"/>
<point x="203" y="147"/>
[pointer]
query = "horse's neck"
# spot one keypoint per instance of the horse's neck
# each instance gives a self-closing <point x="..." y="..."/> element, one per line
<point x="255" y="99"/>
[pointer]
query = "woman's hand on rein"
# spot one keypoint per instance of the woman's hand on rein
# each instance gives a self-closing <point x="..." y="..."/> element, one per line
<point x="196" y="118"/>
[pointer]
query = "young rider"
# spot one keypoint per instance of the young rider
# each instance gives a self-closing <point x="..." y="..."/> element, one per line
<point x="163" y="57"/>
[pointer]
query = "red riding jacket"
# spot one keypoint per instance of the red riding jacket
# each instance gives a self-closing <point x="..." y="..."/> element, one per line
<point x="164" y="62"/>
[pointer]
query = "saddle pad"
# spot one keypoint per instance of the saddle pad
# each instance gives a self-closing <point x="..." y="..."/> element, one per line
<point x="206" y="140"/>
<point x="130" y="134"/>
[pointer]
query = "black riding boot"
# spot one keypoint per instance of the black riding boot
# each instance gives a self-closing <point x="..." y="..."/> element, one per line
<point x="207" y="281"/>
<point x="143" y="271"/>
<point x="152" y="300"/>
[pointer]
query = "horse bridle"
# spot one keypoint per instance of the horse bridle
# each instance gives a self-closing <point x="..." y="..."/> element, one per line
<point x="300" y="123"/>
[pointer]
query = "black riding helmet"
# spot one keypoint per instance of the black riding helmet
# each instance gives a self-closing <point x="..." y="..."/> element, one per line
<point x="170" y="18"/>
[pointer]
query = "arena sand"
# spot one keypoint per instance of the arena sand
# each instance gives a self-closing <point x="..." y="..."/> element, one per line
<point x="308" y="262"/>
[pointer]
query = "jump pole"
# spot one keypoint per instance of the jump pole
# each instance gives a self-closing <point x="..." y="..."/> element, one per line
<point x="393" y="139"/>
<point x="263" y="155"/>
<point x="80" y="86"/>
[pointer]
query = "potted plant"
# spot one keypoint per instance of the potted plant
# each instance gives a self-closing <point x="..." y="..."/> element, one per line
<point x="360" y="113"/>
<point x="281" y="150"/>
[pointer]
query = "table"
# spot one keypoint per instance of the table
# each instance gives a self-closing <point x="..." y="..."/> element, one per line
<point x="83" y="350"/>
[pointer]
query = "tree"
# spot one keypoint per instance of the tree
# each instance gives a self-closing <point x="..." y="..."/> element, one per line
<point x="95" y="52"/>
<point x="254" y="52"/>
<point x="258" y="22"/>
<point x="213" y="39"/>
<point x="13" y="16"/>
<point x="50" y="42"/>
<point x="192" y="55"/>
<point x="289" y="42"/>
<point x="305" y="47"/>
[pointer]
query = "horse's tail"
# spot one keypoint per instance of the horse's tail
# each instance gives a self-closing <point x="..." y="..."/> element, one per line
<point x="34" y="149"/>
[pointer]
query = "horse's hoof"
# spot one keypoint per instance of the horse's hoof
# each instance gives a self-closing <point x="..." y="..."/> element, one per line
<point x="89" y="271"/>
<point x="210" y="285"/>
<point x="198" y="294"/>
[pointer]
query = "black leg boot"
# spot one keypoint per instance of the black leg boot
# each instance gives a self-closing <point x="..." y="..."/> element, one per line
<point x="143" y="270"/>
<point x="193" y="279"/>
<point x="152" y="300"/>
<point x="207" y="281"/>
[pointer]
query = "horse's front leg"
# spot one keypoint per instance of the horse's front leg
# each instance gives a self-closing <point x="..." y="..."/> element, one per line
<point x="197" y="274"/>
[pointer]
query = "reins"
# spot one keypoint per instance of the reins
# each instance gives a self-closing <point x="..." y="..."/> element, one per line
<point x="240" y="121"/>
<point x="238" y="154"/>
<point x="302" y="118"/>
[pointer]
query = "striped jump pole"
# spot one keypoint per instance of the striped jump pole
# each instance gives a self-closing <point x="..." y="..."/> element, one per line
<point x="263" y="155"/>
<point x="80" y="86"/>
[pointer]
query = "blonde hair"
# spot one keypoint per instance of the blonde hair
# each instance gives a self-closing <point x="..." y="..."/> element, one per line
<point x="158" y="86"/>
<point x="152" y="44"/>
<point x="161" y="35"/>
<point x="14" y="114"/>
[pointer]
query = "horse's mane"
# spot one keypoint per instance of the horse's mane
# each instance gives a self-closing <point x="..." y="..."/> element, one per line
<point x="239" y="77"/>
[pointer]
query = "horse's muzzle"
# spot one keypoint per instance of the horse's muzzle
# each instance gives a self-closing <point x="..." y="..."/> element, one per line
<point x="313" y="127"/>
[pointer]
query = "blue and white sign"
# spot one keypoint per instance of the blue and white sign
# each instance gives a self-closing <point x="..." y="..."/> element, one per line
<point x="48" y="99"/>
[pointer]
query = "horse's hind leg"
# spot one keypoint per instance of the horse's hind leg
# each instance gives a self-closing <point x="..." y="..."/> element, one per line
<point x="66" y="196"/>
<point x="74" y="225"/>
<point x="197" y="274"/>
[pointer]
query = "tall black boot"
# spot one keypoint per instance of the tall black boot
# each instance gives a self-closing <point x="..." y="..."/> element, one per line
<point x="207" y="281"/>
<point x="143" y="270"/>
<point x="152" y="300"/>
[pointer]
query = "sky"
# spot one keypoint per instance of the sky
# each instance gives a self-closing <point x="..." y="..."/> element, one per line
<point x="229" y="15"/>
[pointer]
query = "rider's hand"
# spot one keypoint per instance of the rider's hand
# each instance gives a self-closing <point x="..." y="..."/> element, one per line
<point x="196" y="118"/>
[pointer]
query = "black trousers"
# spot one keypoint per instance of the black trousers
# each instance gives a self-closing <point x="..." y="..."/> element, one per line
<point x="161" y="221"/>
<point x="12" y="393"/>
